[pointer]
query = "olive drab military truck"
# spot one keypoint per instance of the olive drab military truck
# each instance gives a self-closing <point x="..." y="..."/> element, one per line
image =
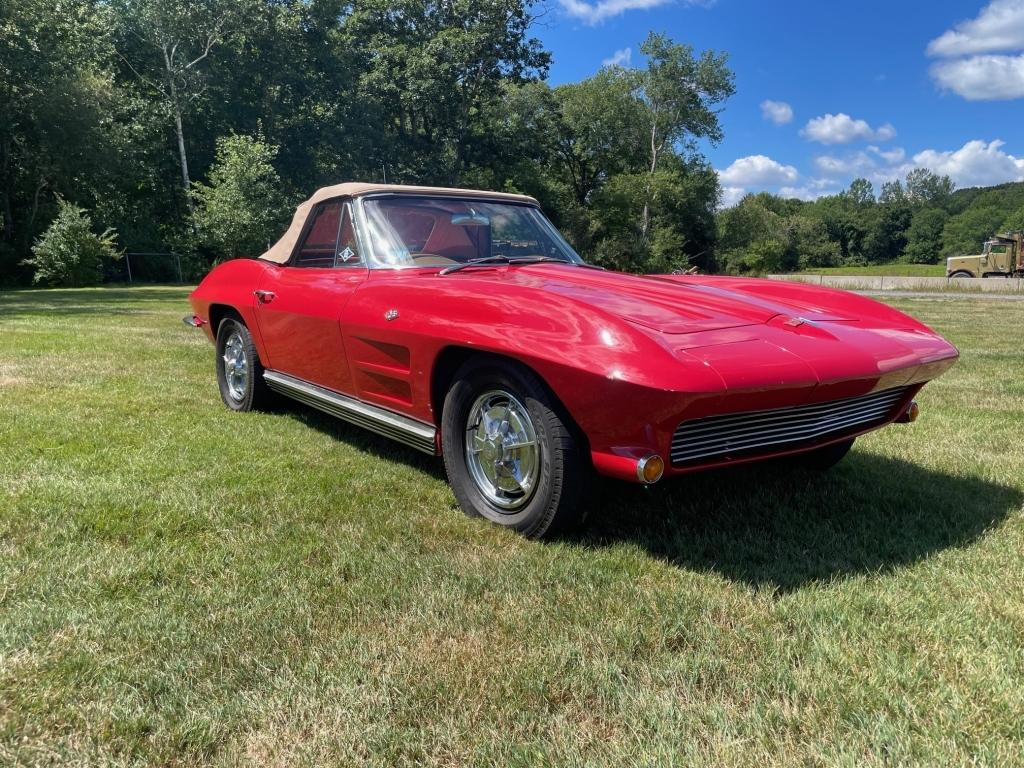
<point x="1003" y="256"/>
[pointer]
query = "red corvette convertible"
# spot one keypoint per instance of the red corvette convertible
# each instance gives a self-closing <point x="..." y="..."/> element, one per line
<point x="461" y="323"/>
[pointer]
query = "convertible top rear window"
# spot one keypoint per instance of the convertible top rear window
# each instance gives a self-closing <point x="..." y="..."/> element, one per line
<point x="443" y="231"/>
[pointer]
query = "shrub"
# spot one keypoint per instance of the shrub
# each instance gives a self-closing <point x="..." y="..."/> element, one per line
<point x="69" y="253"/>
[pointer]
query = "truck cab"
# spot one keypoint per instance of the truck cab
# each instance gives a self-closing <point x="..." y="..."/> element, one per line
<point x="1002" y="256"/>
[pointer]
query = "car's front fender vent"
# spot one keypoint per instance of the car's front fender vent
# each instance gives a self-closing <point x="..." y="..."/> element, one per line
<point x="742" y="434"/>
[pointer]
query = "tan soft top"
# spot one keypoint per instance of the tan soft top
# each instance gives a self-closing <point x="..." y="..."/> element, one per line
<point x="281" y="251"/>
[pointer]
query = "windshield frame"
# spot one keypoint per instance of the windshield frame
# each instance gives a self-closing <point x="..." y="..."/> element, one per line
<point x="367" y="246"/>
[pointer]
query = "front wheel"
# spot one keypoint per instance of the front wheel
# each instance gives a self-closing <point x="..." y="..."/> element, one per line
<point x="239" y="372"/>
<point x="510" y="453"/>
<point x="960" y="274"/>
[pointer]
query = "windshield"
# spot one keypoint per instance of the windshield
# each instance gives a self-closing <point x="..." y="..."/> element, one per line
<point x="445" y="231"/>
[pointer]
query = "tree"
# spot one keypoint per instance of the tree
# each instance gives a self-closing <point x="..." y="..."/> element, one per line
<point x="846" y="223"/>
<point x="924" y="187"/>
<point x="431" y="69"/>
<point x="70" y="254"/>
<point x="892" y="192"/>
<point x="243" y="208"/>
<point x="682" y="231"/>
<point x="600" y="130"/>
<point x="886" y="237"/>
<point x="924" y="238"/>
<point x="809" y="244"/>
<point x="751" y="237"/>
<point x="168" y="41"/>
<point x="860" y="192"/>
<point x="680" y="92"/>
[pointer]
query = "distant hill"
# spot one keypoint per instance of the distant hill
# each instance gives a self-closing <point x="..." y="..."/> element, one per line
<point x="976" y="213"/>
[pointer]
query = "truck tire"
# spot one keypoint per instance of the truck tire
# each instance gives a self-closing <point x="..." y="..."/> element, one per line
<point x="960" y="273"/>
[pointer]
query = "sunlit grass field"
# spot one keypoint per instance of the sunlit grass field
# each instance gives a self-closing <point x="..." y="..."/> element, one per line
<point x="181" y="585"/>
<point x="883" y="270"/>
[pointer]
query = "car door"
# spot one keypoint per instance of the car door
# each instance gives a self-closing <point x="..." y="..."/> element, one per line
<point x="299" y="304"/>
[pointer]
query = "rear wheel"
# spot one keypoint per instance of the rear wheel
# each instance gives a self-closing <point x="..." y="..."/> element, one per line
<point x="509" y="452"/>
<point x="239" y="372"/>
<point x="825" y="458"/>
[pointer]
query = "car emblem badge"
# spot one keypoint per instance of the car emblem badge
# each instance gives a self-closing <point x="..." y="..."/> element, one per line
<point x="796" y="322"/>
<point x="391" y="314"/>
<point x="347" y="254"/>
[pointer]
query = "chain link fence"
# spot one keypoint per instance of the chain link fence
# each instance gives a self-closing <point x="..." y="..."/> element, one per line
<point x="148" y="267"/>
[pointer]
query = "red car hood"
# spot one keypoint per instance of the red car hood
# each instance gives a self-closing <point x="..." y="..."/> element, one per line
<point x="662" y="304"/>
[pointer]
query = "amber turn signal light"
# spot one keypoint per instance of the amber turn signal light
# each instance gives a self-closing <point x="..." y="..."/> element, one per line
<point x="650" y="469"/>
<point x="910" y="415"/>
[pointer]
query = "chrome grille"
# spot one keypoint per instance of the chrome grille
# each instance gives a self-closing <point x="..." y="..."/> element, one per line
<point x="759" y="431"/>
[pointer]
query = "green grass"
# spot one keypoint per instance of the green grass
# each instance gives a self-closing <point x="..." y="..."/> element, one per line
<point x="883" y="270"/>
<point x="181" y="585"/>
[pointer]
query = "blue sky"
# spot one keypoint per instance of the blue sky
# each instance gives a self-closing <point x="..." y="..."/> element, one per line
<point x="869" y="89"/>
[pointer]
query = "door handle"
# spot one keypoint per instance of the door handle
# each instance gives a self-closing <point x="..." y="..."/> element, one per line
<point x="264" y="297"/>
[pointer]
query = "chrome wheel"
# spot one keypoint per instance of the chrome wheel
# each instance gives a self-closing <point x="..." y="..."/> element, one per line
<point x="502" y="451"/>
<point x="236" y="366"/>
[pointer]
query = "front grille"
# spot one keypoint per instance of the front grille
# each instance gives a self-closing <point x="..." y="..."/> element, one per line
<point x="743" y="434"/>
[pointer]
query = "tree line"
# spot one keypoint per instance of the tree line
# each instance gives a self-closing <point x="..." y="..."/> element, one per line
<point x="195" y="126"/>
<point x="921" y="220"/>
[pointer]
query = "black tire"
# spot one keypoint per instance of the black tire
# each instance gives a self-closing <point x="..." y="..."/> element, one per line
<point x="254" y="395"/>
<point x="826" y="457"/>
<point x="555" y="504"/>
<point x="961" y="273"/>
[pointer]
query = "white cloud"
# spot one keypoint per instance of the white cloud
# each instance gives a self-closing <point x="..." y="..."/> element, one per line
<point x="983" y="78"/>
<point x="975" y="164"/>
<point x="978" y="75"/>
<point x="875" y="164"/>
<point x="757" y="170"/>
<point x="999" y="27"/>
<point x="892" y="156"/>
<point x="851" y="165"/>
<point x="732" y="195"/>
<point x="595" y="13"/>
<point x="778" y="112"/>
<point x="885" y="132"/>
<point x="814" y="189"/>
<point x="621" y="58"/>
<point x="842" y="129"/>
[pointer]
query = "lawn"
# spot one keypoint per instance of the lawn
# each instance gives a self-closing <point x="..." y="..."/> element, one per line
<point x="883" y="270"/>
<point x="182" y="585"/>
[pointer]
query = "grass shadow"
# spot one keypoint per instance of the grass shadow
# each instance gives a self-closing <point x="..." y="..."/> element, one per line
<point x="777" y="527"/>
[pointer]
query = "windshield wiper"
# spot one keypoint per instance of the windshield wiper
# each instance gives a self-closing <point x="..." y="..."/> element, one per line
<point x="502" y="260"/>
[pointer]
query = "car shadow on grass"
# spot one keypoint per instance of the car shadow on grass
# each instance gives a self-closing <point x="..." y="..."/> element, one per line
<point x="359" y="438"/>
<point x="779" y="527"/>
<point x="773" y="525"/>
